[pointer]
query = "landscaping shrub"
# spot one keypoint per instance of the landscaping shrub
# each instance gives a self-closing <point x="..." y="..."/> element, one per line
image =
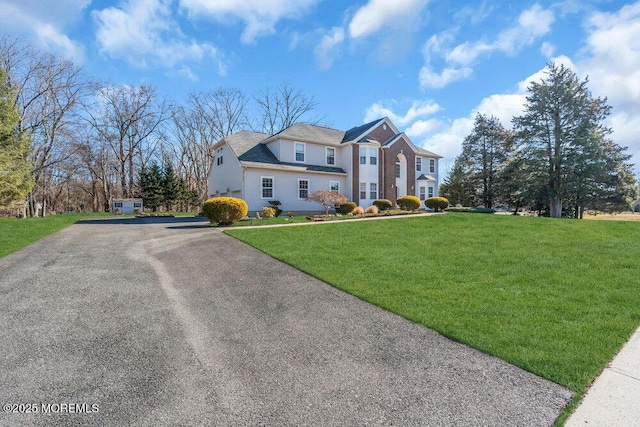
<point x="275" y="205"/>
<point x="372" y="210"/>
<point x="268" y="212"/>
<point x="383" y="204"/>
<point x="358" y="211"/>
<point x="345" y="208"/>
<point x="225" y="210"/>
<point x="408" y="203"/>
<point x="437" y="203"/>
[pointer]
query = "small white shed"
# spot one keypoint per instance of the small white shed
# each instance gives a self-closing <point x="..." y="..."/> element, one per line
<point x="127" y="206"/>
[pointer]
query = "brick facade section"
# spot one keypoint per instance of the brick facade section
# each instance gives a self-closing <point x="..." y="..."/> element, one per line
<point x="380" y="134"/>
<point x="355" y="175"/>
<point x="389" y="174"/>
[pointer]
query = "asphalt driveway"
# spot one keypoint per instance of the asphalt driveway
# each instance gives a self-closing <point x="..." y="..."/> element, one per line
<point x="169" y="322"/>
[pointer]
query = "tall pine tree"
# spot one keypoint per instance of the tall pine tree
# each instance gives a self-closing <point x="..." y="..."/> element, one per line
<point x="562" y="136"/>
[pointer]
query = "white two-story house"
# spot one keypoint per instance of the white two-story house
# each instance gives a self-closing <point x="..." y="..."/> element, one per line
<point x="365" y="163"/>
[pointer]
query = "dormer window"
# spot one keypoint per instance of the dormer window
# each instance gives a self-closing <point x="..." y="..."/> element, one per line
<point x="300" y="149"/>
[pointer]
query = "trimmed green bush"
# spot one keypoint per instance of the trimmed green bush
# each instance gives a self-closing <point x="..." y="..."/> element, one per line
<point x="225" y="210"/>
<point x="345" y="208"/>
<point x="408" y="203"/>
<point x="437" y="203"/>
<point x="383" y="204"/>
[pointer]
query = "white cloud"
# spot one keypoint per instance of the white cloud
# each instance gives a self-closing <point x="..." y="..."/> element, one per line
<point x="143" y="33"/>
<point x="327" y="48"/>
<point x="611" y="59"/>
<point x="532" y="24"/>
<point x="378" y="14"/>
<point x="259" y="16"/>
<point x="44" y="24"/>
<point x="547" y="49"/>
<point x="431" y="79"/>
<point x="416" y="110"/>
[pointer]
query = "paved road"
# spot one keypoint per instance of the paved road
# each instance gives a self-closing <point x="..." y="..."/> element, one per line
<point x="169" y="322"/>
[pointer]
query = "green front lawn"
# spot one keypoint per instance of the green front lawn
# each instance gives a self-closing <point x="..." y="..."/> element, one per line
<point x="556" y="297"/>
<point x="16" y="233"/>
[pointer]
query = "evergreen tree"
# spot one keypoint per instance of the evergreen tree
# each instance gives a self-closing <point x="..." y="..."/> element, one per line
<point x="151" y="187"/>
<point x="170" y="186"/>
<point x="15" y="168"/>
<point x="484" y="152"/>
<point x="457" y="187"/>
<point x="563" y="138"/>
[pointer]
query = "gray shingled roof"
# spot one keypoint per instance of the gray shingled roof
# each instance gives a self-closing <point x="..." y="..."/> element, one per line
<point x="244" y="141"/>
<point x="249" y="148"/>
<point x="426" y="177"/>
<point x="428" y="153"/>
<point x="359" y="130"/>
<point x="307" y="132"/>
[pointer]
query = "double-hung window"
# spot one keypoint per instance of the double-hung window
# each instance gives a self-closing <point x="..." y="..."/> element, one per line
<point x="300" y="151"/>
<point x="432" y="165"/>
<point x="219" y="157"/>
<point x="373" y="190"/>
<point x="430" y="193"/>
<point x="363" y="190"/>
<point x="363" y="156"/>
<point x="331" y="156"/>
<point x="419" y="164"/>
<point x="423" y="193"/>
<point x="267" y="187"/>
<point x="373" y="156"/>
<point x="334" y="186"/>
<point x="303" y="188"/>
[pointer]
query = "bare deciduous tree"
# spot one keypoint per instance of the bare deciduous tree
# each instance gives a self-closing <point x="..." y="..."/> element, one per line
<point x="128" y="119"/>
<point x="281" y="107"/>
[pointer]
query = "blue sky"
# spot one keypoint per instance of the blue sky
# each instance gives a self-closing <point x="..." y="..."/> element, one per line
<point x="429" y="65"/>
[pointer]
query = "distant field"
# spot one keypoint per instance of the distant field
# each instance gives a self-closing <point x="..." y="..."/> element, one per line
<point x="556" y="297"/>
<point x="615" y="217"/>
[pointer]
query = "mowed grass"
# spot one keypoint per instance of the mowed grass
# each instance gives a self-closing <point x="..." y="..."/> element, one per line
<point x="16" y="233"/>
<point x="555" y="297"/>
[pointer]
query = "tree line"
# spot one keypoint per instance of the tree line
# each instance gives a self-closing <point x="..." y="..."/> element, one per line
<point x="71" y="143"/>
<point x="558" y="159"/>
